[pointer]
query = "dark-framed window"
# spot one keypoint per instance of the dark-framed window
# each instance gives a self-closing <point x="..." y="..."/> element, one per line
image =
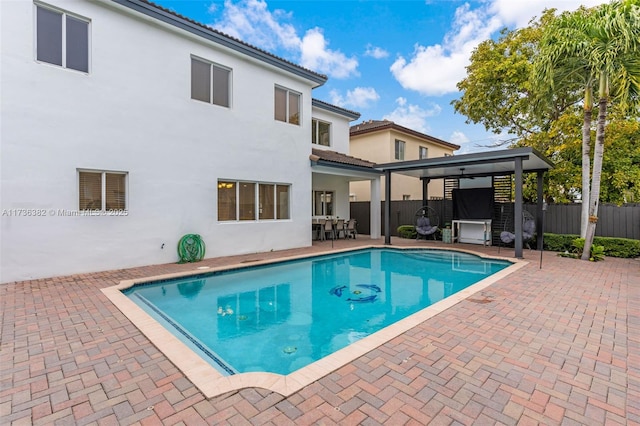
<point x="62" y="39"/>
<point x="287" y="105"/>
<point x="210" y="82"/>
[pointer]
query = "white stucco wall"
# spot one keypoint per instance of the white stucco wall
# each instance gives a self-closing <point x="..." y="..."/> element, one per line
<point x="133" y="113"/>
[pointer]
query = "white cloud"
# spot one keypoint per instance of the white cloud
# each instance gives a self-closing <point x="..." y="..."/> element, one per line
<point x="458" y="138"/>
<point x="252" y="22"/>
<point x="317" y="56"/>
<point x="376" y="52"/>
<point x="519" y="13"/>
<point x="412" y="116"/>
<point x="436" y="69"/>
<point x="360" y="97"/>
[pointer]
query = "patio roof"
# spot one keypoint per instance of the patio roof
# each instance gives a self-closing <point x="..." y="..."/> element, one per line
<point x="492" y="163"/>
<point x="515" y="161"/>
<point x="332" y="162"/>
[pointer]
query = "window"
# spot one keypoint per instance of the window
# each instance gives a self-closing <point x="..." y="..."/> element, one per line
<point x="282" y="202"/>
<point x="320" y="132"/>
<point x="62" y="39"/>
<point x="104" y="191"/>
<point x="406" y="197"/>
<point x="287" y="106"/>
<point x="210" y="83"/>
<point x="237" y="201"/>
<point x="399" y="150"/>
<point x="323" y="203"/>
<point x="247" y="197"/>
<point x="422" y="152"/>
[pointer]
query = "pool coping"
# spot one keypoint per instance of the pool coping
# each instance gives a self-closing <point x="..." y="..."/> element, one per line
<point x="212" y="383"/>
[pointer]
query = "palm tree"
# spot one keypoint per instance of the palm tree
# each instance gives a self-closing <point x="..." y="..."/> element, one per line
<point x="598" y="46"/>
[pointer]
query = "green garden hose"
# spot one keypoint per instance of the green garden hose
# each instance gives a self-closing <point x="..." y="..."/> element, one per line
<point x="191" y="248"/>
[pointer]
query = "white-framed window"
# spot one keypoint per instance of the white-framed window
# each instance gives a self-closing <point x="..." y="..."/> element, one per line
<point x="102" y="190"/>
<point x="320" y="132"/>
<point x="448" y="155"/>
<point x="323" y="203"/>
<point x="406" y="197"/>
<point x="399" y="149"/>
<point x="243" y="200"/>
<point x="210" y="82"/>
<point x="61" y="38"/>
<point x="422" y="152"/>
<point x="287" y="105"/>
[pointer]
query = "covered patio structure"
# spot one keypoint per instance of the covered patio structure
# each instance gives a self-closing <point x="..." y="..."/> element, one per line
<point x="516" y="162"/>
<point x="334" y="170"/>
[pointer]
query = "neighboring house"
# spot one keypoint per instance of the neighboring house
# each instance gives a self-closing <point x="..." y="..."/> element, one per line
<point x="385" y="142"/>
<point x="126" y="126"/>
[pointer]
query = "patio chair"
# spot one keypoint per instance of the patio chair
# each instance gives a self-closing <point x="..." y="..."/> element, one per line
<point x="350" y="230"/>
<point x="427" y="222"/>
<point x="340" y="228"/>
<point x="528" y="229"/>
<point x="328" y="229"/>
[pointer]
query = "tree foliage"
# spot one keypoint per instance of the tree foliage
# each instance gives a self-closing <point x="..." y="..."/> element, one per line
<point x="502" y="92"/>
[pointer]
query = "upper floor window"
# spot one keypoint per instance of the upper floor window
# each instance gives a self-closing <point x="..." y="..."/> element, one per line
<point x="62" y="39"/>
<point x="287" y="106"/>
<point x="99" y="190"/>
<point x="399" y="150"/>
<point x="320" y="132"/>
<point x="210" y="82"/>
<point x="422" y="154"/>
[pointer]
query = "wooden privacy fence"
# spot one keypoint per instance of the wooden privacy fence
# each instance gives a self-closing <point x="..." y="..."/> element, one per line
<point x="613" y="221"/>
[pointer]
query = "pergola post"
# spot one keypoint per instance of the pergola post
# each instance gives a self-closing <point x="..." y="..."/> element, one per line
<point x="425" y="190"/>
<point x="540" y="212"/>
<point x="517" y="216"/>
<point x="387" y="207"/>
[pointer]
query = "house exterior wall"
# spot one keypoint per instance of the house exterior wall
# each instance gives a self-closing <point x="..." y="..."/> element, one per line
<point x="133" y="113"/>
<point x="379" y="147"/>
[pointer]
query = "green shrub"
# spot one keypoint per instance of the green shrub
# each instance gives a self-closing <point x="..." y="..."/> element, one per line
<point x="612" y="246"/>
<point x="619" y="247"/>
<point x="407" y="231"/>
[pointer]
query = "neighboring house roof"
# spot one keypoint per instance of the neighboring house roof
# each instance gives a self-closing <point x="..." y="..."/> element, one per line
<point x="352" y="115"/>
<point x="323" y="155"/>
<point x="172" y="18"/>
<point x="372" y="126"/>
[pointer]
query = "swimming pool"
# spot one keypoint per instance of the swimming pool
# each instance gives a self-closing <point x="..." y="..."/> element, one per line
<point x="212" y="383"/>
<point x="281" y="317"/>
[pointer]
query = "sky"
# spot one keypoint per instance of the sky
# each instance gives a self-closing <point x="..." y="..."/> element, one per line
<point x="394" y="60"/>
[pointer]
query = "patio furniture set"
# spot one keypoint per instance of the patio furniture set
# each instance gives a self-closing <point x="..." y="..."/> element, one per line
<point x="333" y="228"/>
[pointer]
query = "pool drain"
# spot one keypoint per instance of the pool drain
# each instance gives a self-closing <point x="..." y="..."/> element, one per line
<point x="289" y="349"/>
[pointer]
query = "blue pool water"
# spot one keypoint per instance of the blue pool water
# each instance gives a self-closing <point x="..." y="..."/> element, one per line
<point x="281" y="317"/>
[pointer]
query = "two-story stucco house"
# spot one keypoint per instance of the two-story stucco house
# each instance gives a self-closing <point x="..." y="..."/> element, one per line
<point x="125" y="126"/>
<point x="383" y="141"/>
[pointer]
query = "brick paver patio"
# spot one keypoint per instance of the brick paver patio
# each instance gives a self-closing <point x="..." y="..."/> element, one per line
<point x="557" y="345"/>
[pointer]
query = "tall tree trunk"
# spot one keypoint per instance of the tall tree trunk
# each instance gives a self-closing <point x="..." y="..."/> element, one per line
<point x="595" y="183"/>
<point x="586" y="160"/>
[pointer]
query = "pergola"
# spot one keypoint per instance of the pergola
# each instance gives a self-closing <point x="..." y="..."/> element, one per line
<point x="504" y="162"/>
